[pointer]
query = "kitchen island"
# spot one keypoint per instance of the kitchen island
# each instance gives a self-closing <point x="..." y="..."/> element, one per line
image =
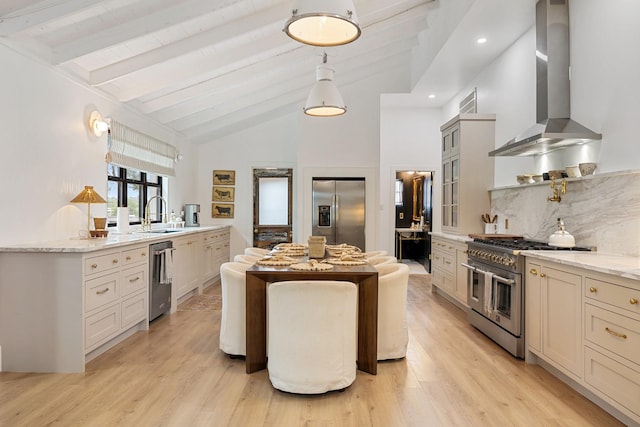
<point x="63" y="303"/>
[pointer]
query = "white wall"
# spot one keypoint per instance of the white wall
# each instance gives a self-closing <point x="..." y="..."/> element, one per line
<point x="48" y="155"/>
<point x="344" y="146"/>
<point x="409" y="140"/>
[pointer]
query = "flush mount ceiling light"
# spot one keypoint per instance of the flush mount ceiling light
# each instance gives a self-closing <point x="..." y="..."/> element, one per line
<point x="96" y="124"/>
<point x="324" y="100"/>
<point x="323" y="22"/>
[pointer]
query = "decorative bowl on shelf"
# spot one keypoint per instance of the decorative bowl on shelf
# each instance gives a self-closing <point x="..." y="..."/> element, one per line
<point x="587" y="168"/>
<point x="524" y="179"/>
<point x="573" y="171"/>
<point x="536" y="178"/>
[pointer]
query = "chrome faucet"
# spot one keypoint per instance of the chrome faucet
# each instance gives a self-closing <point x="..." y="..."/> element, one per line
<point x="146" y="221"/>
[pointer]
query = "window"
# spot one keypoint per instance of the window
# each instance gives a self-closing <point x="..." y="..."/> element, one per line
<point x="132" y="188"/>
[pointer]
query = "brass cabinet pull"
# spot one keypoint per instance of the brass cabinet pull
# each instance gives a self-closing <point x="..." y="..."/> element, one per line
<point x="533" y="271"/>
<point x="105" y="290"/>
<point x="633" y="301"/>
<point x="115" y="261"/>
<point x="94" y="266"/>
<point x="616" y="334"/>
<point x="135" y="279"/>
<point x="143" y="254"/>
<point x="128" y="258"/>
<point x="592" y="290"/>
<point x="543" y="275"/>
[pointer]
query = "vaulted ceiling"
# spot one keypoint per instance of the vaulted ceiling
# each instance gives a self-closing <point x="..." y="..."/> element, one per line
<point x="206" y="68"/>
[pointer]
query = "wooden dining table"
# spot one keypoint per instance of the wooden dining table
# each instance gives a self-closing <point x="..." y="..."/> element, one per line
<point x="364" y="276"/>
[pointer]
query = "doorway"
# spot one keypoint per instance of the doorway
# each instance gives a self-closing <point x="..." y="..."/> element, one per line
<point x="272" y="207"/>
<point x="413" y="195"/>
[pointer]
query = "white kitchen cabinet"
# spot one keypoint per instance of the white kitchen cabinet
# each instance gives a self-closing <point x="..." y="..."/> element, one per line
<point x="116" y="287"/>
<point x="186" y="267"/>
<point x="215" y="252"/>
<point x="612" y="340"/>
<point x="586" y="324"/>
<point x="533" y="310"/>
<point x="467" y="171"/>
<point x="554" y="313"/>
<point x="447" y="274"/>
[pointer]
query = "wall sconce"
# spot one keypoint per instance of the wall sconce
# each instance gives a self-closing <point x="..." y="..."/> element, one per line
<point x="324" y="100"/>
<point x="323" y="23"/>
<point x="179" y="157"/>
<point x="96" y="124"/>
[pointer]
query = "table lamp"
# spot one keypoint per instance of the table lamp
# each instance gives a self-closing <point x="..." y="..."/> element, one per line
<point x="88" y="196"/>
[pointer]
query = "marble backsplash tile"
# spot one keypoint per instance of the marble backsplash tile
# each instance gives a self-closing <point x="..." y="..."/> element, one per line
<point x="601" y="211"/>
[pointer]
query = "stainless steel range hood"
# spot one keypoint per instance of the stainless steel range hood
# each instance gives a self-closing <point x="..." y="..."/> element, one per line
<point x="554" y="128"/>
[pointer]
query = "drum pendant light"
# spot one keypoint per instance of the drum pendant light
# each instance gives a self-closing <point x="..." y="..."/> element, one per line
<point x="323" y="22"/>
<point x="324" y="100"/>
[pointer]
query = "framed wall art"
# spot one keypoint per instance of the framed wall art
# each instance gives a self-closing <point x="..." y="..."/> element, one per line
<point x="224" y="177"/>
<point x="223" y="194"/>
<point x="222" y="210"/>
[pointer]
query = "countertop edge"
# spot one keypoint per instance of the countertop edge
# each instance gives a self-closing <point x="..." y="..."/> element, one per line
<point x="113" y="241"/>
<point x="455" y="237"/>
<point x="616" y="265"/>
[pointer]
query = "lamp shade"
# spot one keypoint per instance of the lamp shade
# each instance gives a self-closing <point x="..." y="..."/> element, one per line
<point x="324" y="100"/>
<point x="88" y="195"/>
<point x="323" y="22"/>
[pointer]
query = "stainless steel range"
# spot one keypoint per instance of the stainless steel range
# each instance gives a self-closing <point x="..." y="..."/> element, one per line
<point x="495" y="291"/>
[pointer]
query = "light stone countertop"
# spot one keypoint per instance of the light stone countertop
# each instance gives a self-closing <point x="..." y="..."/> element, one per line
<point x="114" y="240"/>
<point x="455" y="237"/>
<point x="617" y="265"/>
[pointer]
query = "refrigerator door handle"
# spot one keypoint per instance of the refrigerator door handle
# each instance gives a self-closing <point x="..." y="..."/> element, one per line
<point x="335" y="209"/>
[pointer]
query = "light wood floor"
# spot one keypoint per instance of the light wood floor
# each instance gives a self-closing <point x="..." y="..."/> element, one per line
<point x="175" y="375"/>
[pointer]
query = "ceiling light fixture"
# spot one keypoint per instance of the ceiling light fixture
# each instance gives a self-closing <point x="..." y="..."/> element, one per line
<point x="432" y="96"/>
<point x="324" y="100"/>
<point x="96" y="124"/>
<point x="481" y="40"/>
<point x="323" y="23"/>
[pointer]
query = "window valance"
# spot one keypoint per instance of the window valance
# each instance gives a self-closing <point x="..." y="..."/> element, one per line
<point x="129" y="148"/>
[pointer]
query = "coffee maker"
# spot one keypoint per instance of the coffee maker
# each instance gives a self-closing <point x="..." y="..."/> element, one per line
<point x="192" y="215"/>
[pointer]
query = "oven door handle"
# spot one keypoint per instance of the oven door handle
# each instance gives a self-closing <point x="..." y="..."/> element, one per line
<point x="495" y="276"/>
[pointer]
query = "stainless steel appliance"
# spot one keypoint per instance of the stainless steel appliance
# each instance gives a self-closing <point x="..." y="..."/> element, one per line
<point x="338" y="210"/>
<point x="192" y="215"/>
<point x="160" y="277"/>
<point x="496" y="288"/>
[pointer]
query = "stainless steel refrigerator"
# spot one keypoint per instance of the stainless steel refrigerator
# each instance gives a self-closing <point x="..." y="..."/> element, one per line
<point x="338" y="210"/>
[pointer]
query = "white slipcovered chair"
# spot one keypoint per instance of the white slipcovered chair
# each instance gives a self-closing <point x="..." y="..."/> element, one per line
<point x="372" y="254"/>
<point x="393" y="335"/>
<point x="378" y="260"/>
<point x="256" y="251"/>
<point x="246" y="259"/>
<point x="233" y="329"/>
<point x="312" y="331"/>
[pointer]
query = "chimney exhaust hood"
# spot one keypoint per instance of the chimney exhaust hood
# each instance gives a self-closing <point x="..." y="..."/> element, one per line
<point x="554" y="128"/>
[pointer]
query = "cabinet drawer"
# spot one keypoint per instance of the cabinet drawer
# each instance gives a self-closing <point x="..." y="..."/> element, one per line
<point x="443" y="246"/>
<point x="449" y="263"/>
<point x="134" y="279"/>
<point x="619" y="382"/>
<point x="101" y="326"/>
<point x="619" y="296"/>
<point x="618" y="334"/>
<point x="134" y="310"/>
<point x="134" y="256"/>
<point x="101" y="263"/>
<point x="100" y="291"/>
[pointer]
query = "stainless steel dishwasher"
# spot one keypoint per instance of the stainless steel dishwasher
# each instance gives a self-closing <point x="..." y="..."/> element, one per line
<point x="160" y="277"/>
